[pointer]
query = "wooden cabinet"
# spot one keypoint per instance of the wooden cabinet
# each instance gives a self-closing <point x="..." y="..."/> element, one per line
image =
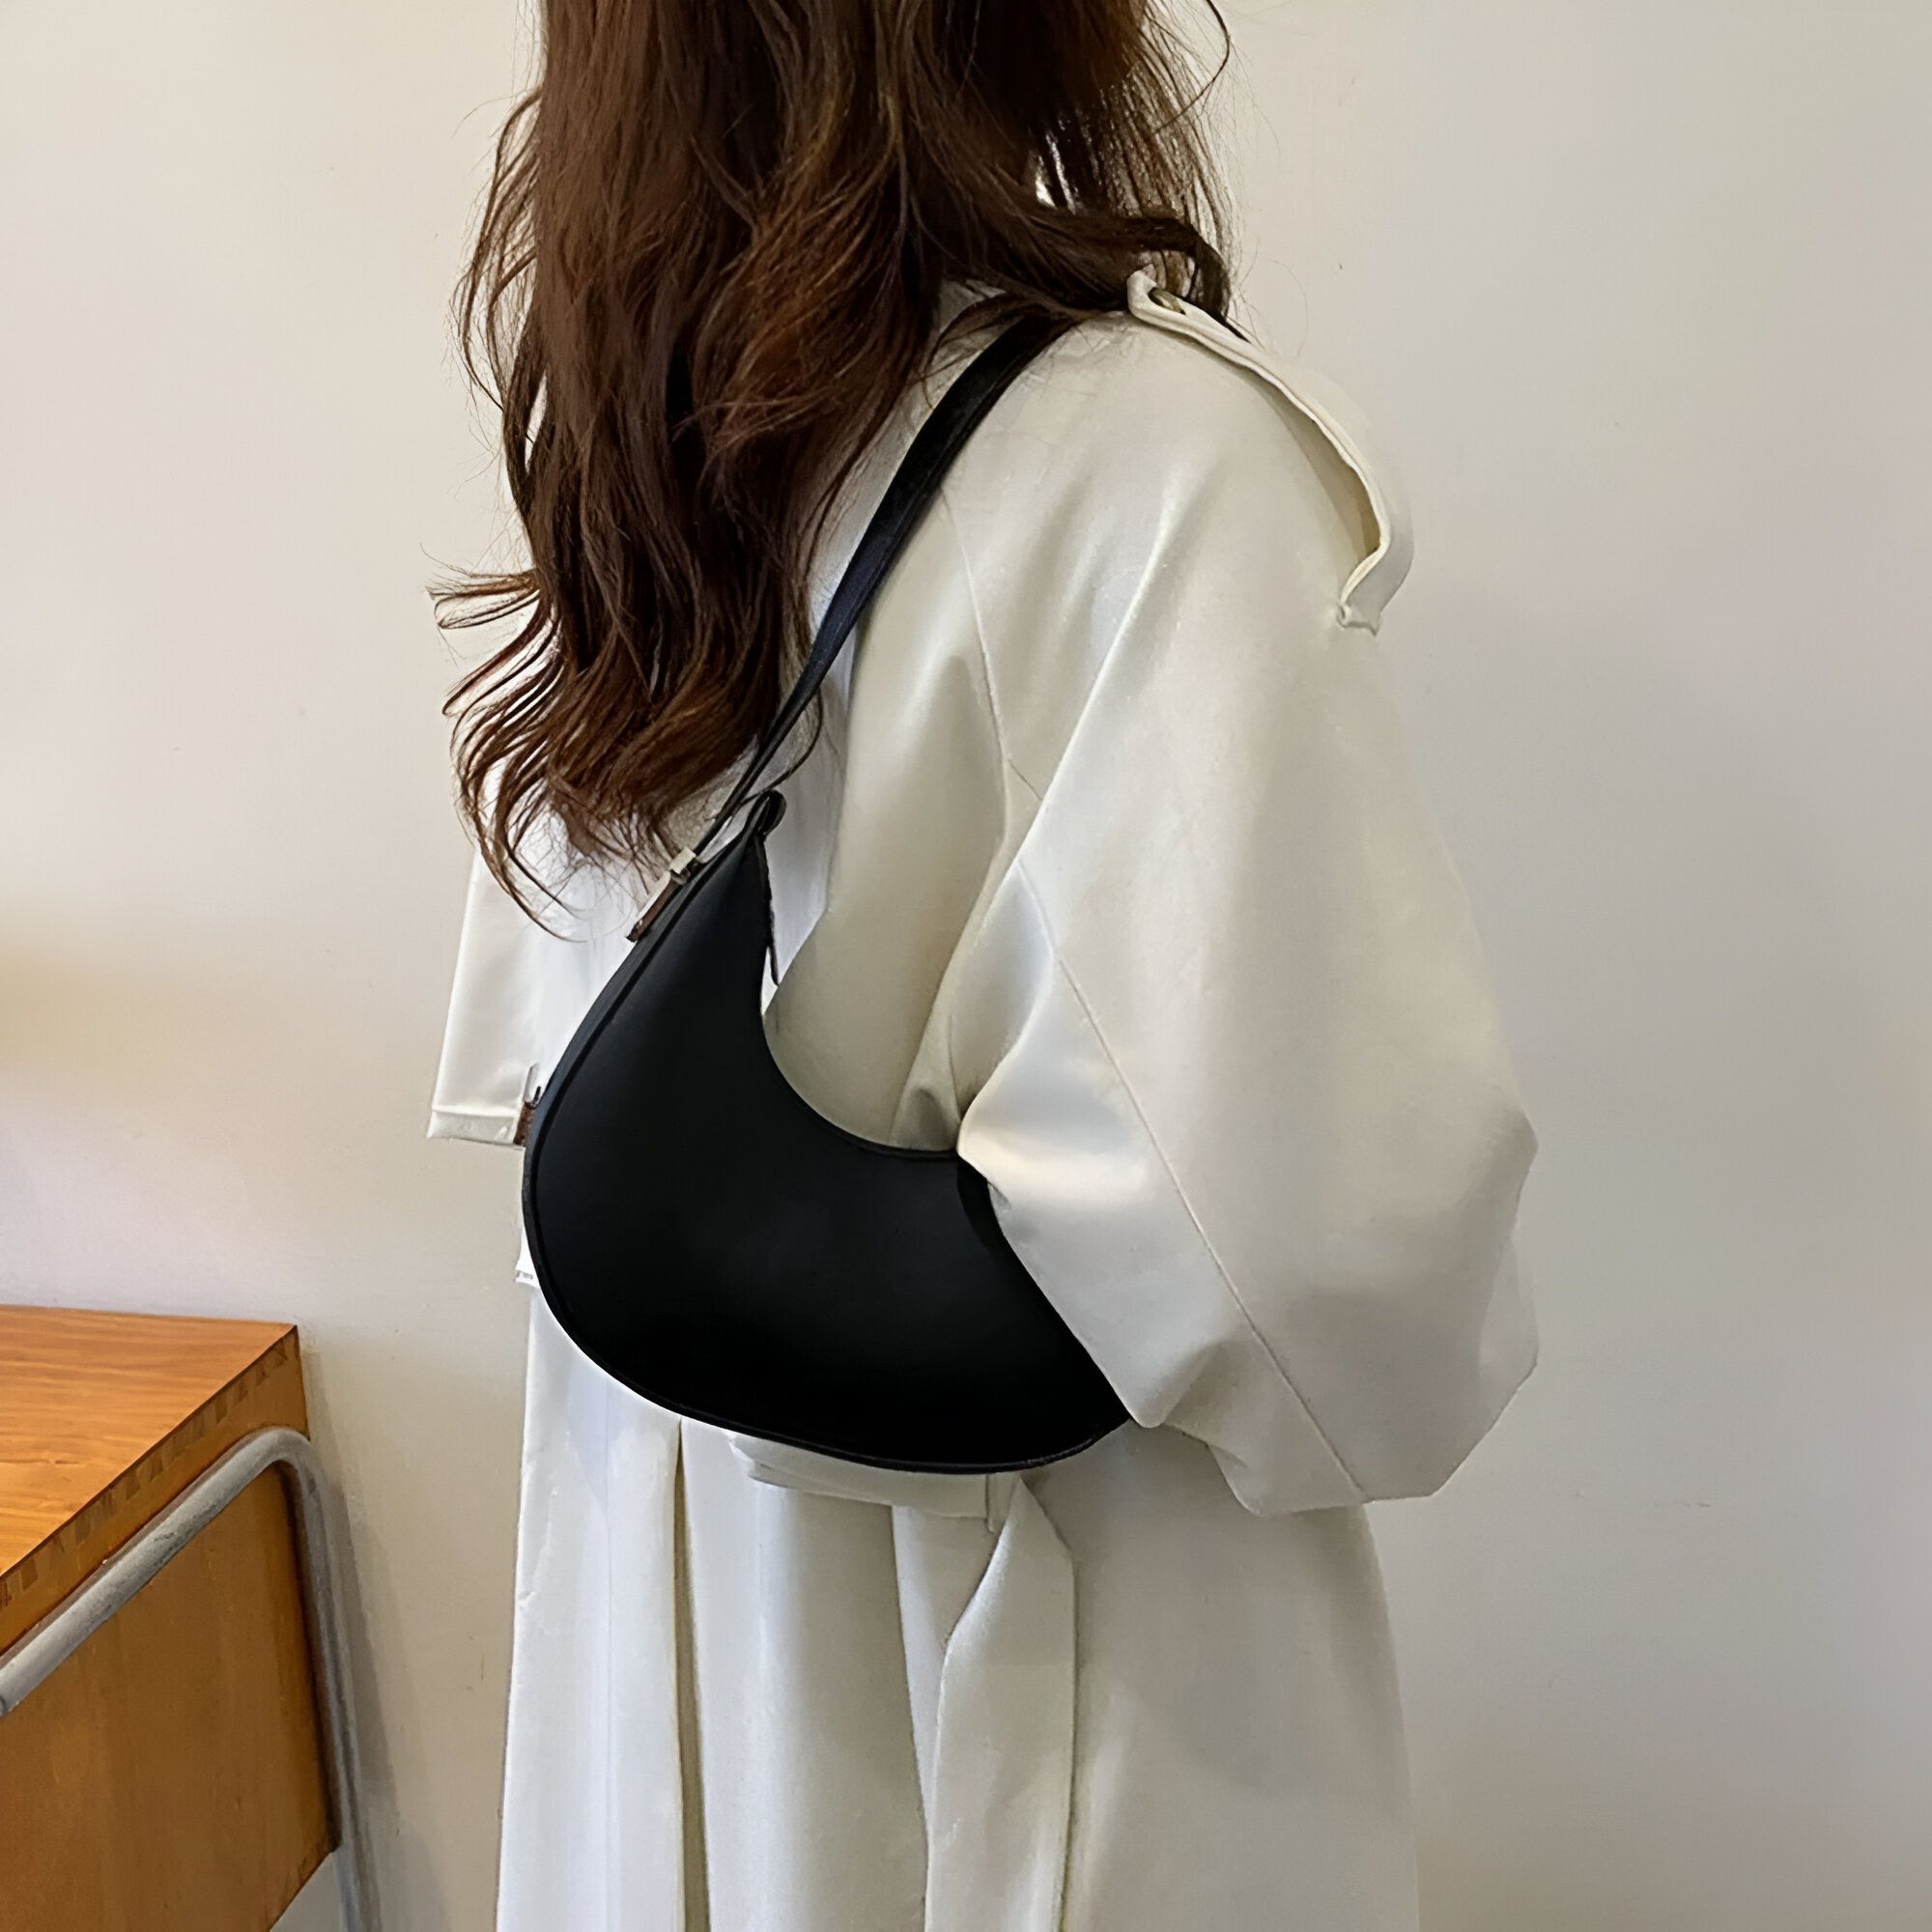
<point x="172" y="1771"/>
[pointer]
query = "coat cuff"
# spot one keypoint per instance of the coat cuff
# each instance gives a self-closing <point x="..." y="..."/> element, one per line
<point x="492" y="1127"/>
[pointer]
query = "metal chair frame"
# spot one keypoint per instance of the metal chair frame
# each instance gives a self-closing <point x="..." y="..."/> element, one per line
<point x="27" y="1664"/>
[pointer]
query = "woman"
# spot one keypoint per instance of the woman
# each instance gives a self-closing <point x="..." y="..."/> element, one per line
<point x="1104" y="863"/>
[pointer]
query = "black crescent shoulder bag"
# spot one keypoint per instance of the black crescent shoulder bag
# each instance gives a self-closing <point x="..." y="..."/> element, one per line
<point x="713" y="1242"/>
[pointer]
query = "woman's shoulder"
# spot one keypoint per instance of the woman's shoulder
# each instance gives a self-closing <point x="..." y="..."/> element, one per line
<point x="1159" y="409"/>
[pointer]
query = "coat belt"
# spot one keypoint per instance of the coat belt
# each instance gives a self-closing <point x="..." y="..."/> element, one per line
<point x="1002" y="1781"/>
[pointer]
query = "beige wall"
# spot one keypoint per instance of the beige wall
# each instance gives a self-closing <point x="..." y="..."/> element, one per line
<point x="233" y="451"/>
<point x="1639" y="295"/>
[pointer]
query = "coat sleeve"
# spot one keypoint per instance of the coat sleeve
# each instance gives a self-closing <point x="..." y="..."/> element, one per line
<point x="490" y="1032"/>
<point x="1225" y="1040"/>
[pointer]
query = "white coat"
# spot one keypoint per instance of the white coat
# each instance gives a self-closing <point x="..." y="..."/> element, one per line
<point x="1110" y="866"/>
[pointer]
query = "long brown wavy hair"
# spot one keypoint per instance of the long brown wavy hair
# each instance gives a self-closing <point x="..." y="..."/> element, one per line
<point x="708" y="264"/>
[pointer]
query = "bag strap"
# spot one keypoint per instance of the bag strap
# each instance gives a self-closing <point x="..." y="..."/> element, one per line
<point x="913" y="484"/>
